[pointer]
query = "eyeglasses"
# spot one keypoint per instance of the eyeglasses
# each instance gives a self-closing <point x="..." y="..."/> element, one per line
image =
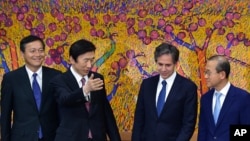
<point x="209" y="73"/>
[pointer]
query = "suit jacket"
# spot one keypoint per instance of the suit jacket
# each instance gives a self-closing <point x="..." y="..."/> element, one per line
<point x="233" y="111"/>
<point x="17" y="97"/>
<point x="178" y="117"/>
<point x="75" y="119"/>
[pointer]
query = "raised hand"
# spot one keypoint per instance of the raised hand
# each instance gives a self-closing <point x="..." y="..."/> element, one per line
<point x="93" y="84"/>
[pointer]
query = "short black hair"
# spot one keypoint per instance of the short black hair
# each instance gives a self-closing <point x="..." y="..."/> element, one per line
<point x="80" y="47"/>
<point x="29" y="39"/>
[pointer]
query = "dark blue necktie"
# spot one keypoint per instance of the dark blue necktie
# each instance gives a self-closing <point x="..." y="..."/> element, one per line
<point x="161" y="98"/>
<point x="38" y="96"/>
<point x="36" y="91"/>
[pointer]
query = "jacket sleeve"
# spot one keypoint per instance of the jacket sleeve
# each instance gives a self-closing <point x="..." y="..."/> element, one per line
<point x="202" y="123"/>
<point x="189" y="113"/>
<point x="112" y="129"/>
<point x="6" y="108"/>
<point x="139" y="116"/>
<point x="64" y="94"/>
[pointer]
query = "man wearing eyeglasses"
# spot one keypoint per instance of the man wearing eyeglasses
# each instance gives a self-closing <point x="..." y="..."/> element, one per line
<point x="223" y="105"/>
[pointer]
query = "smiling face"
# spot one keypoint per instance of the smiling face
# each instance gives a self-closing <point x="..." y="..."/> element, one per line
<point x="165" y="65"/>
<point x="33" y="55"/>
<point x="83" y="63"/>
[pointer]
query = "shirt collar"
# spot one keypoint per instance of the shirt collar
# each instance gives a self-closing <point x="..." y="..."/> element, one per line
<point x="77" y="75"/>
<point x="225" y="89"/>
<point x="30" y="73"/>
<point x="169" y="79"/>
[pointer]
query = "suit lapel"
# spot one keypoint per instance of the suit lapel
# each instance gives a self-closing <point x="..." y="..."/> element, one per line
<point x="45" y="82"/>
<point x="71" y="80"/>
<point x="226" y="105"/>
<point x="25" y="82"/>
<point x="152" y="90"/>
<point x="210" y="109"/>
<point x="172" y="93"/>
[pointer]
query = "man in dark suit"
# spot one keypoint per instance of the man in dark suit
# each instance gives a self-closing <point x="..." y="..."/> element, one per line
<point x="86" y="114"/>
<point x="165" y="112"/>
<point x="223" y="105"/>
<point x="22" y="118"/>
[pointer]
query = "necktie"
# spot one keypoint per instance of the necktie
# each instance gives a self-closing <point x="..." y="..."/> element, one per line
<point x="83" y="81"/>
<point x="161" y="98"/>
<point x="217" y="107"/>
<point x="37" y="94"/>
<point x="87" y="105"/>
<point x="36" y="91"/>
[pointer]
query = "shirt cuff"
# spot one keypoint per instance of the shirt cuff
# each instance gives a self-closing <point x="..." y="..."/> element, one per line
<point x="87" y="96"/>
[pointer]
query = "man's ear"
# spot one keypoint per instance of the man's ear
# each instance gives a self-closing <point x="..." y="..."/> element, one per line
<point x="71" y="60"/>
<point x="222" y="74"/>
<point x="22" y="53"/>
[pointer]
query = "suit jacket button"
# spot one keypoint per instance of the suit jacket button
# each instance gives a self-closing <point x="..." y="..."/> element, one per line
<point x="215" y="138"/>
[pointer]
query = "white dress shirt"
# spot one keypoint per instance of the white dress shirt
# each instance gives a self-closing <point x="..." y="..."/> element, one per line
<point x="223" y="92"/>
<point x="79" y="81"/>
<point x="169" y="85"/>
<point x="38" y="77"/>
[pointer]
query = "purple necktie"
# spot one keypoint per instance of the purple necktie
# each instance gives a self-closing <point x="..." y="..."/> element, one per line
<point x="87" y="105"/>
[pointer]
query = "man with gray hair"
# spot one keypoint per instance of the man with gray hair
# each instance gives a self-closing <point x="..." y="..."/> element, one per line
<point x="223" y="105"/>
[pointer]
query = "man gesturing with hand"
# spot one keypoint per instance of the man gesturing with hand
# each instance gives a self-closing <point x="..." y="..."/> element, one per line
<point x="85" y="112"/>
<point x="93" y="84"/>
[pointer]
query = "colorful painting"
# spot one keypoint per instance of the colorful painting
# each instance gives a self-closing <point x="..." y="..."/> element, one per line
<point x="125" y="33"/>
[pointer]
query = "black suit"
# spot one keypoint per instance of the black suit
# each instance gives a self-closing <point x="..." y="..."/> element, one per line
<point x="178" y="116"/>
<point x="17" y="96"/>
<point x="75" y="119"/>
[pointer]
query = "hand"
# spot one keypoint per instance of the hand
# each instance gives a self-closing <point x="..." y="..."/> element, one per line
<point x="93" y="84"/>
